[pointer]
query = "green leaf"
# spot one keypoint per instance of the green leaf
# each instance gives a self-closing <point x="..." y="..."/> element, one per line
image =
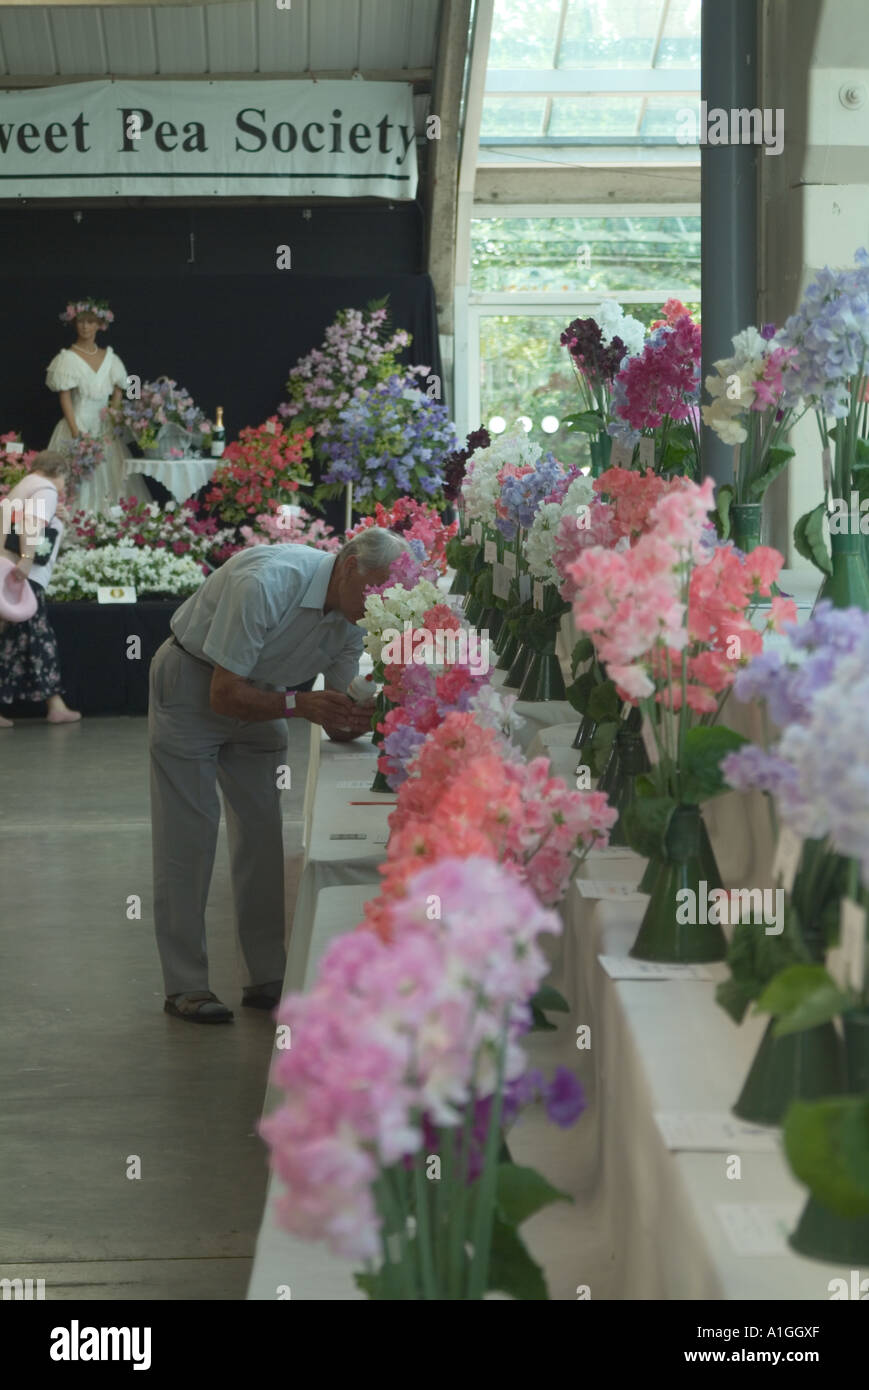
<point x="511" y="1268"/>
<point x="586" y="421"/>
<point x="754" y="959"/>
<point x="578" y="693"/>
<point x="549" y="998"/>
<point x="374" y="1285"/>
<point x="700" y="767"/>
<point x="827" y="1144"/>
<point x="721" y="514"/>
<point x="521" y="1192"/>
<point x="776" y="460"/>
<point x="604" y="704"/>
<point x="600" y="747"/>
<point x="583" y="651"/>
<point x="646" y="822"/>
<point x="539" y="1022"/>
<point x="800" y="997"/>
<point x="809" y="539"/>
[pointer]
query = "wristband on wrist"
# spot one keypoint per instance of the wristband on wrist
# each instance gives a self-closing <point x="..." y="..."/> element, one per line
<point x="290" y="710"/>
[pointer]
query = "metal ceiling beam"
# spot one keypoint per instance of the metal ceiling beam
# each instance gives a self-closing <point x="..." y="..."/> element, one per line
<point x="582" y="82"/>
<point x="443" y="153"/>
<point x="420" y="78"/>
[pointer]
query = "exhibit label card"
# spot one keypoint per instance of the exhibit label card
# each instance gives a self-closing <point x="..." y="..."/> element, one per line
<point x="713" y="1131"/>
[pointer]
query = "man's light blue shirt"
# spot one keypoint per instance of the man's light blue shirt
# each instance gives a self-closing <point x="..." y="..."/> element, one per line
<point x="261" y="616"/>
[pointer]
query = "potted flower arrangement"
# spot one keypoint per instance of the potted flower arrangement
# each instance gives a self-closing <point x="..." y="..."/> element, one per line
<point x="264" y="465"/>
<point x="15" y="460"/>
<point x="597" y="346"/>
<point x="162" y="417"/>
<point x="672" y="624"/>
<point x="657" y="393"/>
<point x="388" y="442"/>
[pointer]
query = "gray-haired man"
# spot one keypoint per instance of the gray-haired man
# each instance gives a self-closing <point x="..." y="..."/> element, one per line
<point x="245" y="650"/>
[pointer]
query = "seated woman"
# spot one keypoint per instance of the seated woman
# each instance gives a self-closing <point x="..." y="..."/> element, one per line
<point x="29" y="665"/>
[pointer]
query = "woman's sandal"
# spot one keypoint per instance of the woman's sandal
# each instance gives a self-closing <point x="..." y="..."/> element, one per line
<point x="200" y="1007"/>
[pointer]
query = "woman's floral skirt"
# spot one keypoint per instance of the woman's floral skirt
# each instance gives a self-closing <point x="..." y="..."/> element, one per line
<point x="29" y="662"/>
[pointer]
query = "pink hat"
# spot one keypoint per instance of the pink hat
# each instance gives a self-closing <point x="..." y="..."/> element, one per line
<point x="17" y="599"/>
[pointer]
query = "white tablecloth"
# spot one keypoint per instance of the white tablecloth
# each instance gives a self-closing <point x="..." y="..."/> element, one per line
<point x="182" y="477"/>
<point x="332" y="862"/>
<point x="281" y="1261"/>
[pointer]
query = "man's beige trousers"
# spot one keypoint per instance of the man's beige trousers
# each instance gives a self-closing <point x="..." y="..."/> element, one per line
<point x="193" y="751"/>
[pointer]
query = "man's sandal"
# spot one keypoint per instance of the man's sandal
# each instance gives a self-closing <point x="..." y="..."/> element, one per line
<point x="263" y="996"/>
<point x="200" y="1007"/>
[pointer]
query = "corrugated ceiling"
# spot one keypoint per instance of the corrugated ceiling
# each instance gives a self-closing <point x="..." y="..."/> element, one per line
<point x="247" y="36"/>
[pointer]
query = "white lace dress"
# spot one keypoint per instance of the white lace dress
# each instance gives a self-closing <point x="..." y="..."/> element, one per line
<point x="91" y="391"/>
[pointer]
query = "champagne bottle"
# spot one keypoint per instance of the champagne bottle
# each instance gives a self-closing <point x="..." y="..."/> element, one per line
<point x="218" y="435"/>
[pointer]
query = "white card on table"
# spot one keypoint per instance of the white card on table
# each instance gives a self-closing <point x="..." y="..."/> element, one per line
<point x="538" y="594"/>
<point x="713" y="1131"/>
<point x="609" y="891"/>
<point x="354" y="786"/>
<point x="787" y="857"/>
<point x="500" y="580"/>
<point x="647" y="452"/>
<point x="852" y="940"/>
<point x="15" y="446"/>
<point x="623" y="968"/>
<point x="620" y="454"/>
<point x="107" y="593"/>
<point x="477" y="532"/>
<point x="524" y="587"/>
<point x="758" y="1228"/>
<point x="490" y="552"/>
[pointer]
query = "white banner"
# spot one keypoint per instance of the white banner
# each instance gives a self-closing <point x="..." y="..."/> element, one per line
<point x="172" y="139"/>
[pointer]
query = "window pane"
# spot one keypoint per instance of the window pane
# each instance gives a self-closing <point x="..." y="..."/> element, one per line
<point x="586" y="255"/>
<point x="594" y="116"/>
<point x="523" y="33"/>
<point x="512" y="116"/>
<point x="601" y="34"/>
<point x="524" y="370"/>
<point x="680" y="46"/>
<point x="665" y="117"/>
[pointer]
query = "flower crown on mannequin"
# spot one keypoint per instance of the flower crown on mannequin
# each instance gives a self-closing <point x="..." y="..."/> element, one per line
<point x="98" y="307"/>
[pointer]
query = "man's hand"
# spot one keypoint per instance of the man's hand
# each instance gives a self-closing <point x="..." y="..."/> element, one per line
<point x="341" y="717"/>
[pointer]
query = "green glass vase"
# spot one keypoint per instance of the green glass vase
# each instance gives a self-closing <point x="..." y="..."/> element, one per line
<point x="848" y="585"/>
<point x="600" y="448"/>
<point x="684" y="866"/>
<point x="508" y="652"/>
<point x="585" y="732"/>
<point x="823" y="1234"/>
<point x="516" y="675"/>
<point x="543" y="679"/>
<point x="799" y="1066"/>
<point x="746" y="521"/>
<point x="461" y="583"/>
<point x="629" y="755"/>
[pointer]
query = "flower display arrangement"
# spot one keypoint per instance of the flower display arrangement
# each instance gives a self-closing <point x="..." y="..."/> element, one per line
<point x="751" y="408"/>
<point x="144" y="418"/>
<point x="657" y="393"/>
<point x="172" y="526"/>
<point x="409" y="1051"/>
<point x="85" y="454"/>
<point x="263" y="466"/>
<point x="816" y="772"/>
<point x="290" y="525"/>
<point x="671" y="619"/>
<point x="416" y="521"/>
<point x="598" y="345"/>
<point x="79" y="573"/>
<point x="359" y="351"/>
<point x="830" y="335"/>
<point x="388" y="442"/>
<point x="15" y="462"/>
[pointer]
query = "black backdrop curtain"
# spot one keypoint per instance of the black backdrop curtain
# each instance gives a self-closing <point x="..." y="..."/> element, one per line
<point x="228" y="325"/>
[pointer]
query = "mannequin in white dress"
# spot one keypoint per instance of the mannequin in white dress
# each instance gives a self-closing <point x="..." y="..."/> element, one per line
<point x="87" y="377"/>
